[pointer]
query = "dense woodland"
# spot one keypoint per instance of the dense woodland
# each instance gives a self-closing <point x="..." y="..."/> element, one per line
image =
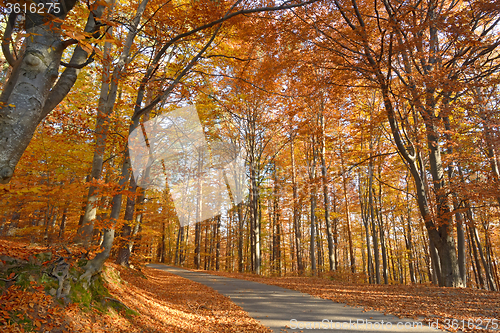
<point x="371" y="131"/>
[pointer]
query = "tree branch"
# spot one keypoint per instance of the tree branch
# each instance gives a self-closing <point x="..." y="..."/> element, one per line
<point x="7" y="35"/>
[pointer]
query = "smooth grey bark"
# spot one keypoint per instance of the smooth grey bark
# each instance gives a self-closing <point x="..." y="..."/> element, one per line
<point x="197" y="238"/>
<point x="107" y="101"/>
<point x="95" y="265"/>
<point x="62" y="226"/>
<point x="31" y="91"/>
<point x="437" y="277"/>
<point x="134" y="204"/>
<point x="311" y="161"/>
<point x="254" y="152"/>
<point x="381" y="229"/>
<point x="239" y="210"/>
<point x="347" y="213"/>
<point x="335" y="222"/>
<point x="86" y="225"/>
<point x="25" y="94"/>
<point x="326" y="201"/>
<point x="197" y="249"/>
<point x="462" y="259"/>
<point x="376" y="253"/>
<point x="409" y="241"/>
<point x="295" y="208"/>
<point x="364" y="219"/>
<point x="217" y="242"/>
<point x="276" y="224"/>
<point x="254" y="219"/>
<point x="125" y="249"/>
<point x="456" y="205"/>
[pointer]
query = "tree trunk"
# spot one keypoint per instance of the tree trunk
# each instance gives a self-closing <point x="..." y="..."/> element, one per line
<point x="488" y="137"/>
<point x="107" y="101"/>
<point x="296" y="215"/>
<point x="132" y="203"/>
<point x="240" y="236"/>
<point x="63" y="223"/>
<point x="383" y="247"/>
<point x="364" y="219"/>
<point x="30" y="93"/>
<point x="217" y="245"/>
<point x="329" y="233"/>
<point x="25" y="94"/>
<point x="348" y="219"/>
<point x="130" y="229"/>
<point x="376" y="253"/>
<point x="409" y="246"/>
<point x="178" y="246"/>
<point x="472" y="244"/>
<point x="475" y="235"/>
<point x="436" y="264"/>
<point x="312" y="184"/>
<point x="276" y="232"/>
<point x="95" y="265"/>
<point x="197" y="245"/>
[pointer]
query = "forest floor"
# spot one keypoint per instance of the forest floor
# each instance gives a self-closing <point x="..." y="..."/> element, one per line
<point x="148" y="301"/>
<point x="462" y="307"/>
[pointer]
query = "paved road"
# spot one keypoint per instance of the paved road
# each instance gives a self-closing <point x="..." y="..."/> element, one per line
<point x="285" y="310"/>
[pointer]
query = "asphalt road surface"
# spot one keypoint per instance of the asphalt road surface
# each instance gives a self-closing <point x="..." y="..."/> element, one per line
<point x="285" y="310"/>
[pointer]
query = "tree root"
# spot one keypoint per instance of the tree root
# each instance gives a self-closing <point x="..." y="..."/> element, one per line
<point x="117" y="301"/>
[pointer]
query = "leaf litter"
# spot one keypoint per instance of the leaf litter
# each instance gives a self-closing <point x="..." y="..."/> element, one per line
<point x="151" y="301"/>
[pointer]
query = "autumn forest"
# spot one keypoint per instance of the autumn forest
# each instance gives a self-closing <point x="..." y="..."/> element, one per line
<point x="370" y="130"/>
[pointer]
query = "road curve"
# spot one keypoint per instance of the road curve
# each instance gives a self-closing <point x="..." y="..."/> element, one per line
<point x="285" y="310"/>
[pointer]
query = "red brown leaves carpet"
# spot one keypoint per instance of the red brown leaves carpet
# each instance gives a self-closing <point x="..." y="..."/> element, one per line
<point x="162" y="302"/>
<point x="469" y="307"/>
<point x="169" y="303"/>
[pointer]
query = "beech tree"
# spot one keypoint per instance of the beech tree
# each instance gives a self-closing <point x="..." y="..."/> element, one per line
<point x="414" y="54"/>
<point x="370" y="130"/>
<point x="34" y="86"/>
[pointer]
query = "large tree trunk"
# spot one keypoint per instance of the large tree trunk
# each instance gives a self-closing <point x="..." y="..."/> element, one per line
<point x="416" y="61"/>
<point x="95" y="265"/>
<point x="125" y="250"/>
<point x="25" y="94"/>
<point x="30" y="93"/>
<point x="107" y="101"/>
